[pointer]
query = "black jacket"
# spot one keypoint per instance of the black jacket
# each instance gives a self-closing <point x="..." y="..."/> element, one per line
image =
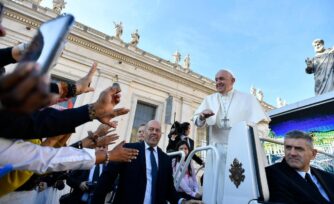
<point x="287" y="186"/>
<point x="74" y="180"/>
<point x="6" y="56"/>
<point x="45" y="123"/>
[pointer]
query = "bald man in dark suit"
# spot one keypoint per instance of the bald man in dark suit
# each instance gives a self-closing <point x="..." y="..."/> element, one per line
<point x="147" y="179"/>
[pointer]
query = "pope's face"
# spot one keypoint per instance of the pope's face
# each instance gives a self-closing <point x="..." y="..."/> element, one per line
<point x="224" y="82"/>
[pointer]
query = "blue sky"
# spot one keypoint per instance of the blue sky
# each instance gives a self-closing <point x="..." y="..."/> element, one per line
<point x="264" y="42"/>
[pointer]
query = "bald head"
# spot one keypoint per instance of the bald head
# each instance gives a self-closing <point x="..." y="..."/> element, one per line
<point x="224" y="81"/>
<point x="152" y="133"/>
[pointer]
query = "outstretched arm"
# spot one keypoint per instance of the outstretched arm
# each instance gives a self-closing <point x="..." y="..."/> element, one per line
<point x="68" y="89"/>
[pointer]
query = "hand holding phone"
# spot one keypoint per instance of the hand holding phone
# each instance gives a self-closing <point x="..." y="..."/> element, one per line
<point x="24" y="90"/>
<point x="48" y="43"/>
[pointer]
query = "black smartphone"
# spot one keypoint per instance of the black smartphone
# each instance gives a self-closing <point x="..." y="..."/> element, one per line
<point x="48" y="43"/>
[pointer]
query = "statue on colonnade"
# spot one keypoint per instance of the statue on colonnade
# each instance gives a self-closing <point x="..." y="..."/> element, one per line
<point x="177" y="57"/>
<point x="135" y="38"/>
<point x="186" y="62"/>
<point x="119" y="29"/>
<point x="58" y="5"/>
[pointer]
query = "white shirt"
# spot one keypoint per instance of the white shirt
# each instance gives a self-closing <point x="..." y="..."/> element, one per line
<point x="28" y="156"/>
<point x="91" y="172"/>
<point x="315" y="181"/>
<point x="147" y="198"/>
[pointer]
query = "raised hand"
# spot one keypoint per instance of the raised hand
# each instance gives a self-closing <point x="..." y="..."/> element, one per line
<point x="103" y="108"/>
<point x="24" y="90"/>
<point x="106" y="140"/>
<point x="103" y="129"/>
<point x="122" y="154"/>
<point x="83" y="84"/>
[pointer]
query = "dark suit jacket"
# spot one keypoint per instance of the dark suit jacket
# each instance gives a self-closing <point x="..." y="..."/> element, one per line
<point x="74" y="179"/>
<point x="6" y="56"/>
<point x="171" y="147"/>
<point x="287" y="186"/>
<point x="44" y="123"/>
<point x="132" y="180"/>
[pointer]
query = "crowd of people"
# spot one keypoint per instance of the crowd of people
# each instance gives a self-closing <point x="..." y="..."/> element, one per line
<point x="37" y="159"/>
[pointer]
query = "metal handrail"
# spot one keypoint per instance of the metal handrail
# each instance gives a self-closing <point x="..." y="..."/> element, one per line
<point x="200" y="168"/>
<point x="215" y="172"/>
<point x="281" y="143"/>
<point x="183" y="157"/>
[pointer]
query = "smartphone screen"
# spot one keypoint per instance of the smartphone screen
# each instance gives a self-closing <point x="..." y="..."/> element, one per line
<point x="47" y="44"/>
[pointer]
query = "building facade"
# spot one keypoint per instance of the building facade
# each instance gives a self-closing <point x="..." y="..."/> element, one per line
<point x="152" y="87"/>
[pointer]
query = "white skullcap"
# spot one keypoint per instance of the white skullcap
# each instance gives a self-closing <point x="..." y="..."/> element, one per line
<point x="227" y="70"/>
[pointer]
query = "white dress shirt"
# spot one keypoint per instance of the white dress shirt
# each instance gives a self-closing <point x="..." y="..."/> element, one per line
<point x="91" y="172"/>
<point x="39" y="159"/>
<point x="147" y="198"/>
<point x="316" y="182"/>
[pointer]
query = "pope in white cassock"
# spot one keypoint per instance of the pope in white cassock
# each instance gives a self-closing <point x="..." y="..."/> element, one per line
<point x="221" y="111"/>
